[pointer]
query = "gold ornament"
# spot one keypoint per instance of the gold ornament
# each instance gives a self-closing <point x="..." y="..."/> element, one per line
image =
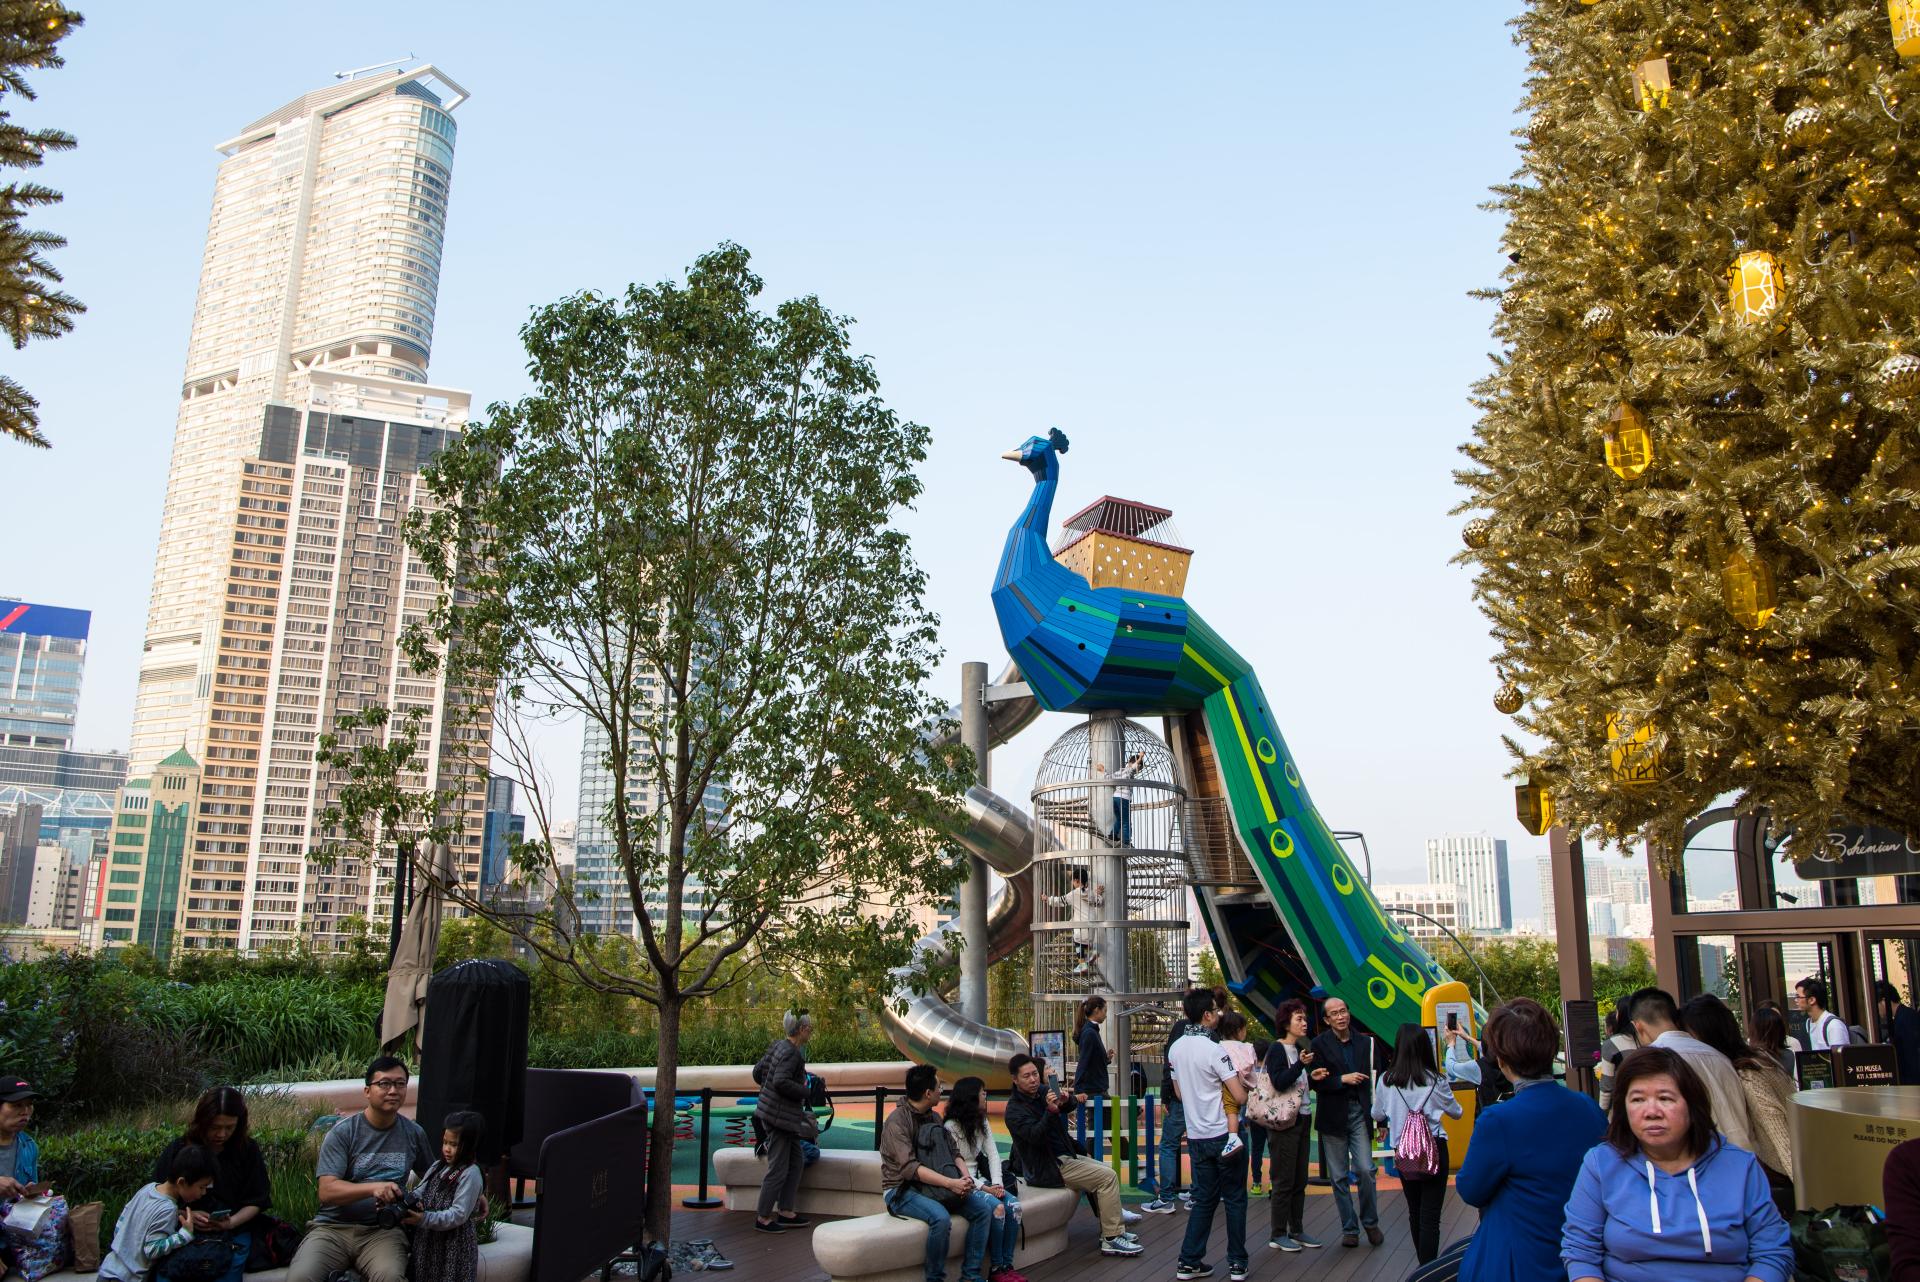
<point x="1477" y="533"/>
<point x="1899" y="375"/>
<point x="1636" y="762"/>
<point x="1904" y="15"/>
<point x="1747" y="584"/>
<point x="1533" y="806"/>
<point x="1508" y="699"/>
<point x="1601" y="322"/>
<point x="1628" y="442"/>
<point x="1806" y="127"/>
<point x="1580" y="582"/>
<point x="1653" y="84"/>
<point x="1755" y="288"/>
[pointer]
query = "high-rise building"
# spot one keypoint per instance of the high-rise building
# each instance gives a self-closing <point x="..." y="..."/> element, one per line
<point x="1549" y="918"/>
<point x="19" y="847"/>
<point x="43" y="652"/>
<point x="504" y="829"/>
<point x="282" y="583"/>
<point x="152" y="833"/>
<point x="1477" y="864"/>
<point x="1435" y="907"/>
<point x="74" y="790"/>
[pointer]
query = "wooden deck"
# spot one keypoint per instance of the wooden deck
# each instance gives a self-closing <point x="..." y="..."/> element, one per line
<point x="759" y="1256"/>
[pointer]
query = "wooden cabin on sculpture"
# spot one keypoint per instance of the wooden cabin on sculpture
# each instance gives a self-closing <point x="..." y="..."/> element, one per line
<point x="1118" y="543"/>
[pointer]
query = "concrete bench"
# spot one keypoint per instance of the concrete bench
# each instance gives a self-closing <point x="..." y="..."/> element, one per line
<point x="508" y="1258"/>
<point x="875" y="1246"/>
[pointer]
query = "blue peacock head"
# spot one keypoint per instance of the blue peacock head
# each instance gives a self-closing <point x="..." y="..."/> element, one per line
<point x="1036" y="453"/>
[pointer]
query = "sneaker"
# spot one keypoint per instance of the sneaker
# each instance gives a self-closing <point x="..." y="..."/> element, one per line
<point x="1159" y="1206"/>
<point x="1256" y="1189"/>
<point x="1311" y="1243"/>
<point x="767" y="1226"/>
<point x="1188" y="1272"/>
<point x="1233" y="1145"/>
<point x="1283" y="1243"/>
<point x="1129" y="1217"/>
<point x="1186" y="1197"/>
<point x="1238" y="1272"/>
<point x="794" y="1221"/>
<point x="1120" y="1246"/>
<point x="1349" y="1239"/>
<point x="1374" y="1236"/>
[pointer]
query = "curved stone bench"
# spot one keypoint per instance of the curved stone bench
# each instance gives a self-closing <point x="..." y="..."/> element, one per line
<point x="508" y="1258"/>
<point x="875" y="1246"/>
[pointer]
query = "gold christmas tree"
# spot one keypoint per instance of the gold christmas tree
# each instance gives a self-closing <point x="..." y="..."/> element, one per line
<point x="1749" y="600"/>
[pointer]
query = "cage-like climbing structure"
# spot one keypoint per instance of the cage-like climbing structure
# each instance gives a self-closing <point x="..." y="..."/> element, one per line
<point x="1110" y="885"/>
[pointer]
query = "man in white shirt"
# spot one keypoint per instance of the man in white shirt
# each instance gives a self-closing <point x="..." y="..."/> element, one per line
<point x="1825" y="1030"/>
<point x="1204" y="1073"/>
<point x="1656" y="1022"/>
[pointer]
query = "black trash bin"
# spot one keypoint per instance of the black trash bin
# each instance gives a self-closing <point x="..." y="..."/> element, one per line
<point x="474" y="1054"/>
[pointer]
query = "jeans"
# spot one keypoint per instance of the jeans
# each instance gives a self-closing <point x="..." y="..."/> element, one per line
<point x="1256" y="1137"/>
<point x="1287" y="1203"/>
<point x="1123" y="820"/>
<point x="1425" y="1200"/>
<point x="978" y="1210"/>
<point x="1216" y="1180"/>
<point x="1172" y="1127"/>
<point x="1003" y="1232"/>
<point x="1352" y="1151"/>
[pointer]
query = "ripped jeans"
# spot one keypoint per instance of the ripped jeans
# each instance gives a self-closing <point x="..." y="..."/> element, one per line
<point x="1003" y="1235"/>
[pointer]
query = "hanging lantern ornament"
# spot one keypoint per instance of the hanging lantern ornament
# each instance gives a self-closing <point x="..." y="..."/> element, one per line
<point x="1477" y="533"/>
<point x="1747" y="584"/>
<point x="1533" y="806"/>
<point x="1628" y="442"/>
<point x="1507" y="699"/>
<point x="1631" y="751"/>
<point x="1806" y="127"/>
<point x="1899" y="375"/>
<point x="1755" y="288"/>
<point x="1904" y="15"/>
<point x="1653" y="84"/>
<point x="1580" y="582"/>
<point x="1601" y="322"/>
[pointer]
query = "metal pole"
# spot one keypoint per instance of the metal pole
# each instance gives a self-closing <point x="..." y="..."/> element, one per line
<point x="879" y="1114"/>
<point x="703" y="1202"/>
<point x="973" y="891"/>
<point x="1107" y="744"/>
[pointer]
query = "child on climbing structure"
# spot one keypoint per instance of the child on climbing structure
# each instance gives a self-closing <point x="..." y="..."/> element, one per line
<point x="1232" y="1030"/>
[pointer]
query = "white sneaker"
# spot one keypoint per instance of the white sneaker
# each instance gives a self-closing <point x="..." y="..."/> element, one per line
<point x="1129" y="1217"/>
<point x="1233" y="1145"/>
<point x="1120" y="1246"/>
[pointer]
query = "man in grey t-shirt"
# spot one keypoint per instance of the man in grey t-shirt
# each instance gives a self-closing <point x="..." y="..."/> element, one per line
<point x="364" y="1162"/>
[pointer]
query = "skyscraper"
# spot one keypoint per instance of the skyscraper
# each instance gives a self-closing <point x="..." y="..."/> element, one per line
<point x="282" y="583"/>
<point x="43" y="652"/>
<point x="1477" y="864"/>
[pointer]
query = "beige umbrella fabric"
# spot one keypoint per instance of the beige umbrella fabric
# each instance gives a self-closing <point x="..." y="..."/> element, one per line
<point x="412" y="967"/>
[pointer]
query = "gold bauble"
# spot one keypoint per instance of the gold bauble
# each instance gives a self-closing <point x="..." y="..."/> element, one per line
<point x="1508" y="699"/>
<point x="1580" y="582"/>
<point x="1477" y="533"/>
<point x="1806" y="127"/>
<point x="1747" y="584"/>
<point x="1904" y="15"/>
<point x="1755" y="288"/>
<point x="1601" y="322"/>
<point x="1899" y="375"/>
<point x="1627" y="441"/>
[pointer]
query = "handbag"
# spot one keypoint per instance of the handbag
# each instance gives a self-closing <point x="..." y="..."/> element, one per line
<point x="205" y="1259"/>
<point x="1842" y="1244"/>
<point x="1274" y="1109"/>
<point x="36" y="1235"/>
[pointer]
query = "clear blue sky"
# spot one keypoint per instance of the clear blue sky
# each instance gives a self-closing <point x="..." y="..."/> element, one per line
<point x="1226" y="248"/>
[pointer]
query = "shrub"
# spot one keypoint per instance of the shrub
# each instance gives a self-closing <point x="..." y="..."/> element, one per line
<point x="740" y="1043"/>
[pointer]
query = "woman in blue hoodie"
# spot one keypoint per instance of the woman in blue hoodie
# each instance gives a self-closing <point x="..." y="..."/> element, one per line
<point x="1666" y="1199"/>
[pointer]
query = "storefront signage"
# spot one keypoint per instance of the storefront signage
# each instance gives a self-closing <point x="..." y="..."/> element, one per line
<point x="1862" y="852"/>
<point x="1863" y="1065"/>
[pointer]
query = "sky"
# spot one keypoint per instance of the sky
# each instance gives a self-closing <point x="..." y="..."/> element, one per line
<point x="1227" y="249"/>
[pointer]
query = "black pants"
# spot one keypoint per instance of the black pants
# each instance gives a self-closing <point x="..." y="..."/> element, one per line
<point x="1256" y="1137"/>
<point x="1426" y="1198"/>
<point x="1288" y="1201"/>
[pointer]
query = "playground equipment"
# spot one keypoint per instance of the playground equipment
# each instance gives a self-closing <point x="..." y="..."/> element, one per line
<point x="1098" y="625"/>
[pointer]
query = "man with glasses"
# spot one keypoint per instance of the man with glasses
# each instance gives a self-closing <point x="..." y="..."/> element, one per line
<point x="363" y="1167"/>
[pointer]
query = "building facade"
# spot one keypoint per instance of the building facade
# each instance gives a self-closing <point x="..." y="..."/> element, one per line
<point x="281" y="582"/>
<point x="154" y="821"/>
<point x="1430" y="909"/>
<point x="1477" y="865"/>
<point x="504" y="829"/>
<point x="43" y="655"/>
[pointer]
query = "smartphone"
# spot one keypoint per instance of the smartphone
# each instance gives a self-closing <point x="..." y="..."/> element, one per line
<point x="1053" y="1084"/>
<point x="1453" y="1021"/>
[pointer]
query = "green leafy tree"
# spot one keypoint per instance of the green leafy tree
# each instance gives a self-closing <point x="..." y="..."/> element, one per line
<point x="1780" y="457"/>
<point x="30" y="304"/>
<point x="684" y="536"/>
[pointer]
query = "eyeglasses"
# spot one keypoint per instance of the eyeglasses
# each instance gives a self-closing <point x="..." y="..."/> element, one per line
<point x="388" y="1083"/>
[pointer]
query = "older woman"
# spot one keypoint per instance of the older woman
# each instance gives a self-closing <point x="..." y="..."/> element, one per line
<point x="1520" y="1168"/>
<point x="1666" y="1198"/>
<point x="240" y="1191"/>
<point x="783" y="1115"/>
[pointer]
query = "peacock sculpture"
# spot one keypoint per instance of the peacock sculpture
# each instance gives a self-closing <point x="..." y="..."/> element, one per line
<point x="1082" y="648"/>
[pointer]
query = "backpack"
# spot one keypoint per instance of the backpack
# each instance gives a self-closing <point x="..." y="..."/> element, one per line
<point x="1841" y="1244"/>
<point x="1416" y="1155"/>
<point x="274" y="1243"/>
<point x="933" y="1149"/>
<point x="1274" y="1109"/>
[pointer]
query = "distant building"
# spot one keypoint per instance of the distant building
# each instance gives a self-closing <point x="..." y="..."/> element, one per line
<point x="19" y="849"/>
<point x="504" y="830"/>
<point x="1433" y="905"/>
<point x="1477" y="865"/>
<point x="152" y="835"/>
<point x="43" y="652"/>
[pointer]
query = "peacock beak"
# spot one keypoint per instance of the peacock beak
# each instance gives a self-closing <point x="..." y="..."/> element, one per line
<point x="1014" y="455"/>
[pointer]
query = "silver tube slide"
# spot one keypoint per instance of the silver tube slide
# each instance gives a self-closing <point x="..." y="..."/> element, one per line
<point x="927" y="1029"/>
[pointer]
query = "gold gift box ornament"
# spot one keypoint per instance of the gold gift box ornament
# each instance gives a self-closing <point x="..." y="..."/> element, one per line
<point x="1747" y="583"/>
<point x="1653" y="84"/>
<point x="1628" y="442"/>
<point x="1904" y="15"/>
<point x="1636" y="762"/>
<point x="1755" y="288"/>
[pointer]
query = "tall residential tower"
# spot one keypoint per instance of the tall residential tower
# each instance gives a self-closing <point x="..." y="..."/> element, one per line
<point x="1477" y="864"/>
<point x="281" y="583"/>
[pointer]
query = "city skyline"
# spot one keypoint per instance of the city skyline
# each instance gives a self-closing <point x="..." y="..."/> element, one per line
<point x="1376" y="513"/>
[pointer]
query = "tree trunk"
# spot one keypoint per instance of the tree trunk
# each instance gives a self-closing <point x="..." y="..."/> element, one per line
<point x="666" y="1075"/>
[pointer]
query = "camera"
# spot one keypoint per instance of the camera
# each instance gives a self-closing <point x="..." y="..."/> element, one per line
<point x="392" y="1214"/>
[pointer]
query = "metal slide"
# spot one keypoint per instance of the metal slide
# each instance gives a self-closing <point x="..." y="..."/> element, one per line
<point x="929" y="1030"/>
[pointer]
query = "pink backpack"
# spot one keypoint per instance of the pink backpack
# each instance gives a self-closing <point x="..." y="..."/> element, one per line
<point x="1416" y="1154"/>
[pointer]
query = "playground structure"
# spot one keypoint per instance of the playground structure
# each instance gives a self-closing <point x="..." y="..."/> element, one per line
<point x="1097" y="625"/>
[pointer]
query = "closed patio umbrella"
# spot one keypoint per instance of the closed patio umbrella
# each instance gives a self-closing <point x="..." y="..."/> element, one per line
<point x="412" y="964"/>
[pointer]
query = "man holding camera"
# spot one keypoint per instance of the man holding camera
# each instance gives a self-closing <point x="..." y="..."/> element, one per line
<point x="1049" y="1158"/>
<point x="363" y="1169"/>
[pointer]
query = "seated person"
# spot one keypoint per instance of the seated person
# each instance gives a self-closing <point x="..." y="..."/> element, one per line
<point x="363" y="1167"/>
<point x="240" y="1190"/>
<point x="155" y="1222"/>
<point x="1049" y="1158"/>
<point x="19" y="1155"/>
<point x="933" y="1197"/>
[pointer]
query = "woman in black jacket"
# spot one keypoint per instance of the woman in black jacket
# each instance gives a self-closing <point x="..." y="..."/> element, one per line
<point x="1290" y="1056"/>
<point x="783" y="1114"/>
<point x="1090" y="1074"/>
<point x="240" y="1190"/>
